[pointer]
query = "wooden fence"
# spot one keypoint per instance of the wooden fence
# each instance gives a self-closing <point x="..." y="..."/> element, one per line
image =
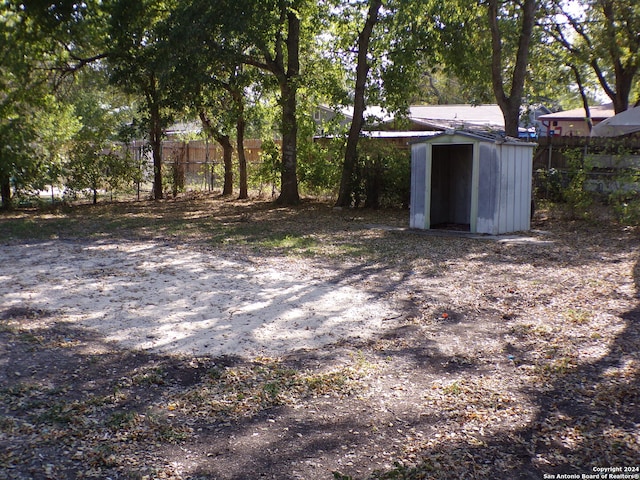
<point x="197" y="163"/>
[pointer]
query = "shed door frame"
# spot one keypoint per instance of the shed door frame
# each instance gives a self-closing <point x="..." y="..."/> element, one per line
<point x="446" y="140"/>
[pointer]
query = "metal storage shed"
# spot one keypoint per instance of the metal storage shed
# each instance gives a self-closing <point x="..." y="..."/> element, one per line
<point x="471" y="181"/>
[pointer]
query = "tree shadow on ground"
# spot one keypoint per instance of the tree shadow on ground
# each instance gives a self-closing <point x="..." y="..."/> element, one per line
<point x="587" y="421"/>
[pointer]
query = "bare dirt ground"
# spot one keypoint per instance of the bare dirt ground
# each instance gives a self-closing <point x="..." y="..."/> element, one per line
<point x="211" y="339"/>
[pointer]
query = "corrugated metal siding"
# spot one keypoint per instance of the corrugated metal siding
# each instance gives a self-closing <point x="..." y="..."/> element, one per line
<point x="489" y="166"/>
<point x="417" y="206"/>
<point x="526" y="161"/>
<point x="515" y="189"/>
<point x="503" y="185"/>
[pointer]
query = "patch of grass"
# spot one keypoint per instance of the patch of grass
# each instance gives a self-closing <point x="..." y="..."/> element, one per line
<point x="102" y="456"/>
<point x="287" y="241"/>
<point x="556" y="367"/>
<point x="154" y="377"/>
<point x="7" y="424"/>
<point x="24" y="397"/>
<point x="170" y="433"/>
<point x="452" y="389"/>
<point x="288" y="244"/>
<point x="132" y="426"/>
<point x="246" y="389"/>
<point x="530" y="329"/>
<point x="29" y="337"/>
<point x="123" y="420"/>
<point x="64" y="413"/>
<point x="577" y="316"/>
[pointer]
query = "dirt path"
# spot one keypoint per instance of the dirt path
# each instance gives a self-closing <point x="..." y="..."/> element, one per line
<point x="176" y="300"/>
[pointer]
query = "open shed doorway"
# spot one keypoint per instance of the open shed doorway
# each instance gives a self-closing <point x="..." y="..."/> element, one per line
<point x="451" y="186"/>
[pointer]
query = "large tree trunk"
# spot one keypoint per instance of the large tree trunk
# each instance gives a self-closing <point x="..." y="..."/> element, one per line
<point x="288" y="176"/>
<point x="288" y="90"/>
<point x="624" y="85"/>
<point x="625" y="70"/>
<point x="5" y="192"/>
<point x="510" y="105"/>
<point x="362" y="70"/>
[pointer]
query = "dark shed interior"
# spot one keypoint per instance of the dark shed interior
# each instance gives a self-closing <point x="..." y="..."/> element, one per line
<point x="451" y="176"/>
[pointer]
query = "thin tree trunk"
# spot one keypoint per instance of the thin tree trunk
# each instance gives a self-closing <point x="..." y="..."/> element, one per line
<point x="5" y="192"/>
<point x="156" y="148"/>
<point x="227" y="152"/>
<point x="583" y="95"/>
<point x="156" y="143"/>
<point x="227" y="160"/>
<point x="362" y="70"/>
<point x="242" y="159"/>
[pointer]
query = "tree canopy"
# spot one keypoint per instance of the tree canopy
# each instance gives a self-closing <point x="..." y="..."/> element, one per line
<point x="209" y="60"/>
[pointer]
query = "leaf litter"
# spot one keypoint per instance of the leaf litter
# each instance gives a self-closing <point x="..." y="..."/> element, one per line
<point x="534" y="368"/>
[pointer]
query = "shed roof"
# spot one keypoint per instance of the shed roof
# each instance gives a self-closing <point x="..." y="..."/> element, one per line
<point x="476" y="136"/>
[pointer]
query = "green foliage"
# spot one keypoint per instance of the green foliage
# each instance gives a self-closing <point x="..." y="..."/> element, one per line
<point x="568" y="186"/>
<point x="95" y="160"/>
<point x="384" y="175"/>
<point x="549" y="184"/>
<point x="267" y="172"/>
<point x="601" y="40"/>
<point x="463" y="51"/>
<point x="318" y="172"/>
<point x="625" y="199"/>
<point x="578" y="199"/>
<point x="340" y="476"/>
<point x="318" y="161"/>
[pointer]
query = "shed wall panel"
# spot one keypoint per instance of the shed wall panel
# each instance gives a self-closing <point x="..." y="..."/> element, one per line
<point x="418" y="186"/>
<point x="526" y="165"/>
<point x="501" y="196"/>
<point x="487" y="189"/>
<point x="509" y="161"/>
<point x="517" y="189"/>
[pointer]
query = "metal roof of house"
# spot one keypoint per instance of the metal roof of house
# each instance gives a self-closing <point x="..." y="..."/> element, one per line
<point x="623" y="123"/>
<point x="398" y="134"/>
<point x="458" y="116"/>
<point x="598" y="112"/>
<point x="184" y="128"/>
<point x="440" y="116"/>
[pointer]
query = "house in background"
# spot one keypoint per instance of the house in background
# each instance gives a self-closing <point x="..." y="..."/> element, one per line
<point x="482" y="118"/>
<point x="573" y="123"/>
<point x="457" y="117"/>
